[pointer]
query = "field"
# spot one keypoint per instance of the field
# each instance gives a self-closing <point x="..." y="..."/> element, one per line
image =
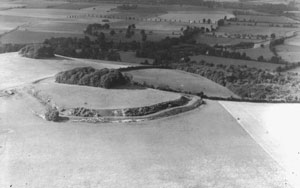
<point x="71" y="96"/>
<point x="221" y="40"/>
<point x="180" y="81"/>
<point x="267" y="19"/>
<point x="275" y="128"/>
<point x="254" y="53"/>
<point x="186" y="16"/>
<point x="228" y="61"/>
<point x="219" y="144"/>
<point x="289" y="53"/>
<point x="256" y="30"/>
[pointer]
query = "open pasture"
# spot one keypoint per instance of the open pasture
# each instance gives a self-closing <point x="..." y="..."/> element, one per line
<point x="187" y="16"/>
<point x="180" y="80"/>
<point x="254" y="53"/>
<point x="73" y="96"/>
<point x="56" y="27"/>
<point x="77" y="6"/>
<point x="142" y="11"/>
<point x="289" y="53"/>
<point x="39" y="13"/>
<point x="8" y="23"/>
<point x="275" y="128"/>
<point x="267" y="19"/>
<point x="210" y="40"/>
<point x="257" y="30"/>
<point x="229" y="61"/>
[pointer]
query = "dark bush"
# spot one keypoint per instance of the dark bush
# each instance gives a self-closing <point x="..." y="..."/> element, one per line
<point x="52" y="114"/>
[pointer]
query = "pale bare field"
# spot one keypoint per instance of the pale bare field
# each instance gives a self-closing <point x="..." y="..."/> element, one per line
<point x="202" y="148"/>
<point x="73" y="96"/>
<point x="180" y="80"/>
<point x="228" y="61"/>
<point x="275" y="128"/>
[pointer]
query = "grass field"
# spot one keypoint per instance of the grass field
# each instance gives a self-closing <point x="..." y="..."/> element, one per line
<point x="228" y="61"/>
<point x="187" y="16"/>
<point x="258" y="30"/>
<point x="254" y="53"/>
<point x="269" y="19"/>
<point x="289" y="53"/>
<point x="221" y="40"/>
<point x="180" y="80"/>
<point x="275" y="128"/>
<point x="56" y="27"/>
<point x="71" y="96"/>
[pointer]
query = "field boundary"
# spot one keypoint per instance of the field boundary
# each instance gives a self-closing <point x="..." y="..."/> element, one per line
<point x="194" y="103"/>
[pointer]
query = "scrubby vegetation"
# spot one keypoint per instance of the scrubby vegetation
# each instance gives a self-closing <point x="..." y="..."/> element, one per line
<point x="248" y="83"/>
<point x="85" y="48"/>
<point x="37" y="51"/>
<point x="88" y="76"/>
<point x="131" y="112"/>
<point x="52" y="114"/>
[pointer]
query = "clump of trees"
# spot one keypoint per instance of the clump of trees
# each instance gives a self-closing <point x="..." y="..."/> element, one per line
<point x="92" y="29"/>
<point x="88" y="76"/>
<point x="52" y="114"/>
<point x="85" y="48"/>
<point x="37" y="51"/>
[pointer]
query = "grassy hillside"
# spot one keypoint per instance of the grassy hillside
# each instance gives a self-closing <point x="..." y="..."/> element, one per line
<point x="180" y="80"/>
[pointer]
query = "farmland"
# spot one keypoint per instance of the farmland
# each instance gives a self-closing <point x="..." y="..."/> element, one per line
<point x="228" y="61"/>
<point x="186" y="16"/>
<point x="193" y="54"/>
<point x="181" y="81"/>
<point x="93" y="98"/>
<point x="257" y="30"/>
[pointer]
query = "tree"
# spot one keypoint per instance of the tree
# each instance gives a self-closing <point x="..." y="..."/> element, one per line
<point x="52" y="114"/>
<point x="221" y="22"/>
<point x="112" y="32"/>
<point x="273" y="36"/>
